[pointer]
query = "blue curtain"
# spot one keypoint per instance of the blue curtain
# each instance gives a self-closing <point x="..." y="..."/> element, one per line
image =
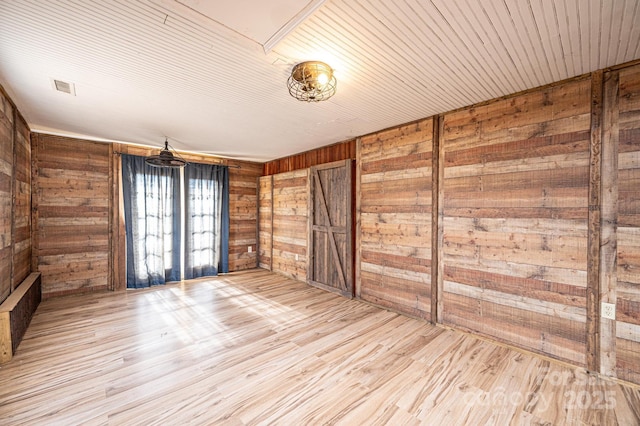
<point x="152" y="221"/>
<point x="207" y="220"/>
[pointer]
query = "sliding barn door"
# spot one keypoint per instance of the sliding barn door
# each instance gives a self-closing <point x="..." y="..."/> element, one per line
<point x="330" y="244"/>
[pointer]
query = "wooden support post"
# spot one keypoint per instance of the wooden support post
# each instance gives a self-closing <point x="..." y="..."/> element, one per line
<point x="271" y="229"/>
<point x="609" y="220"/>
<point x="117" y="280"/>
<point x="594" y="217"/>
<point x="35" y="184"/>
<point x="437" y="235"/>
<point x="358" y="223"/>
<point x="12" y="192"/>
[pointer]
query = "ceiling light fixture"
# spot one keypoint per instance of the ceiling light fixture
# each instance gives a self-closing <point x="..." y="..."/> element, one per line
<point x="312" y="81"/>
<point x="166" y="158"/>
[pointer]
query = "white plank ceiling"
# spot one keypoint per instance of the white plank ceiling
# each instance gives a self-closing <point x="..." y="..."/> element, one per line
<point x="211" y="75"/>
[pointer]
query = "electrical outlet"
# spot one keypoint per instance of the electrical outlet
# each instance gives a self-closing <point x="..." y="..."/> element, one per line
<point x="250" y="249"/>
<point x="608" y="310"/>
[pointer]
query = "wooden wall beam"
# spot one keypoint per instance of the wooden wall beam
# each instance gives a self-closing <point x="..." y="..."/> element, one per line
<point x="594" y="217"/>
<point x="609" y="220"/>
<point x="437" y="179"/>
<point x="12" y="196"/>
<point x="357" y="228"/>
<point x="35" y="187"/>
<point x="271" y="229"/>
<point x="118" y="242"/>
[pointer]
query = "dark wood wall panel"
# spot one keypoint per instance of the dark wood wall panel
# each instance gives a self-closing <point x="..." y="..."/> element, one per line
<point x="243" y="215"/>
<point x="628" y="229"/>
<point x="265" y="226"/>
<point x="21" y="204"/>
<point x="290" y="217"/>
<point x="395" y="208"/>
<point x="516" y="181"/>
<point x="326" y="154"/>
<point x="71" y="197"/>
<point x="6" y="188"/>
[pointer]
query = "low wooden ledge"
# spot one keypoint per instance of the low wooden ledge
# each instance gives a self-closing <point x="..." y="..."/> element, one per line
<point x="16" y="313"/>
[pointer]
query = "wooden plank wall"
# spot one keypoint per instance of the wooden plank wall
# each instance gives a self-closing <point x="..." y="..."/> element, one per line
<point x="265" y="225"/>
<point x="71" y="199"/>
<point x="243" y="215"/>
<point x="6" y="192"/>
<point x="395" y="211"/>
<point x="515" y="219"/>
<point x="534" y="219"/>
<point x="21" y="233"/>
<point x="15" y="197"/>
<point x="290" y="215"/>
<point x="326" y="154"/>
<point x="627" y="286"/>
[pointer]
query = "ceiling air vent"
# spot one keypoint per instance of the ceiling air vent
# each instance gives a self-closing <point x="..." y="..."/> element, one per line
<point x="64" y="87"/>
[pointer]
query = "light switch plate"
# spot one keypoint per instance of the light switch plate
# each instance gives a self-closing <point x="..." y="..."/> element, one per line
<point x="608" y="310"/>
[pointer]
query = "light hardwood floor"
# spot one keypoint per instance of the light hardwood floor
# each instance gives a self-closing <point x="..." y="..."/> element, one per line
<point x="257" y="348"/>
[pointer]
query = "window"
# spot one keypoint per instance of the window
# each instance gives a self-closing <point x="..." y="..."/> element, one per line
<point x="153" y="218"/>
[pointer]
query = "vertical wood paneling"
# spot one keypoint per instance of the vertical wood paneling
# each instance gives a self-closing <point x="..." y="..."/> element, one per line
<point x="326" y="154"/>
<point x="72" y="193"/>
<point x="21" y="233"/>
<point x="516" y="183"/>
<point x="243" y="215"/>
<point x="290" y="232"/>
<point x="628" y="228"/>
<point x="6" y="188"/>
<point x="265" y="225"/>
<point x="395" y="218"/>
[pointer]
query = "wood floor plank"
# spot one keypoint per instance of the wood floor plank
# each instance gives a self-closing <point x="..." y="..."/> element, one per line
<point x="256" y="348"/>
